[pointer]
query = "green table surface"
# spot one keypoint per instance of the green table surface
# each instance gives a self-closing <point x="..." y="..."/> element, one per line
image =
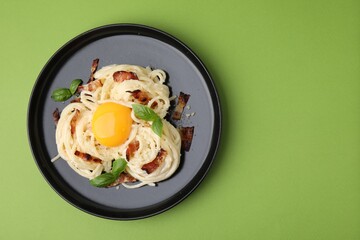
<point x="288" y="75"/>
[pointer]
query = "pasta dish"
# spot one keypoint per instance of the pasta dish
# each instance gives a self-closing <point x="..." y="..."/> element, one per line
<point x="119" y="114"/>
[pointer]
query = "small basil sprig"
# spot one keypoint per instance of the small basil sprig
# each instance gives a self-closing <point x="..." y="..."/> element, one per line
<point x="63" y="94"/>
<point x="74" y="85"/>
<point x="106" y="179"/>
<point x="103" y="180"/>
<point x="147" y="114"/>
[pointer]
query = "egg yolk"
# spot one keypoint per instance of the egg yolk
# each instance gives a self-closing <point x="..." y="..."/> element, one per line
<point x="111" y="124"/>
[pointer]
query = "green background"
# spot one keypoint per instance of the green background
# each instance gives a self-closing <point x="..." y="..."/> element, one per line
<point x="288" y="76"/>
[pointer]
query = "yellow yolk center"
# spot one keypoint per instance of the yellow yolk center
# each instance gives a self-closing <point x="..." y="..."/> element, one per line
<point x="111" y="124"/>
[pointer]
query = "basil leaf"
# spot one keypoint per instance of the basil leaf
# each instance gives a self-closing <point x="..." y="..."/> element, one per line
<point x="118" y="166"/>
<point x="103" y="180"/>
<point x="106" y="179"/>
<point x="147" y="114"/>
<point x="74" y="85"/>
<point x="144" y="112"/>
<point x="157" y="126"/>
<point x="61" y="94"/>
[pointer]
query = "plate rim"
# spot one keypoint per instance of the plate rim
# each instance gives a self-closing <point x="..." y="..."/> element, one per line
<point x="126" y="29"/>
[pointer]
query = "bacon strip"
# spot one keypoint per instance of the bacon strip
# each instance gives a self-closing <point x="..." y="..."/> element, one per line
<point x="182" y="100"/>
<point x="87" y="157"/>
<point x="132" y="148"/>
<point x="121" y="76"/>
<point x="73" y="121"/>
<point x="141" y="96"/>
<point x="56" y="116"/>
<point x="123" y="178"/>
<point x="91" y="86"/>
<point x="94" y="67"/>
<point x="154" y="105"/>
<point x="154" y="164"/>
<point x="186" y="134"/>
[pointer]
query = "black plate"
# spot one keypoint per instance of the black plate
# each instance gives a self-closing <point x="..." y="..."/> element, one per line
<point x="138" y="45"/>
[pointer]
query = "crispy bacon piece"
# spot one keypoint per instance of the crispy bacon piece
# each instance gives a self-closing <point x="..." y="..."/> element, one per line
<point x="182" y="100"/>
<point x="73" y="121"/>
<point x="94" y="67"/>
<point x="87" y="157"/>
<point x="56" y="116"/>
<point x="186" y="134"/>
<point x="141" y="96"/>
<point x="154" y="164"/>
<point x="121" y="76"/>
<point x="132" y="148"/>
<point x="123" y="178"/>
<point x="91" y="86"/>
<point x="154" y="105"/>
